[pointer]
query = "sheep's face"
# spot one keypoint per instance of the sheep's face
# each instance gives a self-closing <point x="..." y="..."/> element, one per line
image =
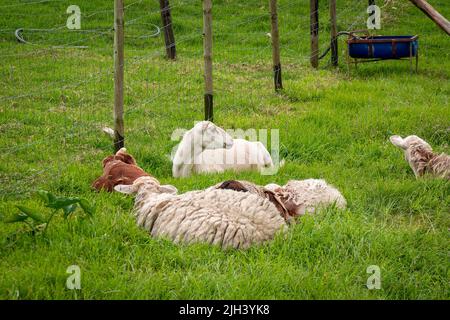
<point x="213" y="137"/>
<point x="417" y="152"/>
<point x="145" y="185"/>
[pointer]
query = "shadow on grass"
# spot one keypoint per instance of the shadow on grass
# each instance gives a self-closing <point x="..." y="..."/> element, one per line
<point x="381" y="69"/>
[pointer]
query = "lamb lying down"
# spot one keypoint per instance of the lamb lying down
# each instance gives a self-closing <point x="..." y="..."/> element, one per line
<point x="207" y="148"/>
<point x="421" y="157"/>
<point x="243" y="155"/>
<point x="120" y="168"/>
<point x="294" y="198"/>
<point x="227" y="218"/>
<point x="301" y="196"/>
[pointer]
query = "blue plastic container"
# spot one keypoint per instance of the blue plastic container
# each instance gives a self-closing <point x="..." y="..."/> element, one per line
<point x="383" y="47"/>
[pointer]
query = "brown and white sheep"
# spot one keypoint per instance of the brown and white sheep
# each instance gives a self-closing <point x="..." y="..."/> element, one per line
<point x="294" y="198"/>
<point x="421" y="157"/>
<point x="120" y="168"/>
<point x="226" y="218"/>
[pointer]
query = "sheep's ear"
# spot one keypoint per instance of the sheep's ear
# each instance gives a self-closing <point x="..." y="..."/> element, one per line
<point x="167" y="188"/>
<point x="126" y="158"/>
<point x="123" y="188"/>
<point x="121" y="150"/>
<point x="106" y="160"/>
<point x="398" y="142"/>
<point x="277" y="203"/>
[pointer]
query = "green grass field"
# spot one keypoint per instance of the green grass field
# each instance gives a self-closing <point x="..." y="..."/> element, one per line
<point x="333" y="123"/>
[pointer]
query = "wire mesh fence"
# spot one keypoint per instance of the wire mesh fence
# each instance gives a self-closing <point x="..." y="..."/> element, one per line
<point x="57" y="86"/>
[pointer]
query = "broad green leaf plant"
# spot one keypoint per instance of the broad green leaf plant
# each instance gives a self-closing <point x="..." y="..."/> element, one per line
<point x="35" y="219"/>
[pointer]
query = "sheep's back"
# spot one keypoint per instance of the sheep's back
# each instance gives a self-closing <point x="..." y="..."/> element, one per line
<point x="440" y="165"/>
<point x="243" y="155"/>
<point x="221" y="217"/>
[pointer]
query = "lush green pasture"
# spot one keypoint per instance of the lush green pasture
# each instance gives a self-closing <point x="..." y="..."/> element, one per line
<point x="333" y="124"/>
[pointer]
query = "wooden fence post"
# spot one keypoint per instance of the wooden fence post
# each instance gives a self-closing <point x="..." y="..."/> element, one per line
<point x="169" y="37"/>
<point x="314" y="25"/>
<point x="207" y="54"/>
<point x="438" y="18"/>
<point x="275" y="46"/>
<point x="119" y="137"/>
<point x="334" y="40"/>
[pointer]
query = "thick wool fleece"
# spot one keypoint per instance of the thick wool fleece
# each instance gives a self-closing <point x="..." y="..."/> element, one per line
<point x="226" y="218"/>
<point x="294" y="198"/>
<point x="301" y="196"/>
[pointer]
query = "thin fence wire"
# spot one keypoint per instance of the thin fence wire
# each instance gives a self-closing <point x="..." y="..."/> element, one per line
<point x="155" y="88"/>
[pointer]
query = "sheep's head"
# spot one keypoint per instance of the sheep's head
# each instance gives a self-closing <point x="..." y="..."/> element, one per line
<point x="212" y="136"/>
<point x="272" y="196"/>
<point x="120" y="168"/>
<point x="120" y="155"/>
<point x="145" y="185"/>
<point x="417" y="152"/>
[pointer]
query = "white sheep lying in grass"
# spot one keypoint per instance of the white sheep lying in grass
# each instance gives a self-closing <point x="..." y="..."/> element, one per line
<point x="301" y="196"/>
<point x="243" y="155"/>
<point x="421" y="157"/>
<point x="294" y="198"/>
<point x="226" y="218"/>
<point x="203" y="136"/>
<point x="194" y="155"/>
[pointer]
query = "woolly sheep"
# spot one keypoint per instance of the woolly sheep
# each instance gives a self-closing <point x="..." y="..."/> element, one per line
<point x="301" y="196"/>
<point x="226" y="218"/>
<point x="421" y="157"/>
<point x="194" y="156"/>
<point x="294" y="198"/>
<point x="245" y="186"/>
